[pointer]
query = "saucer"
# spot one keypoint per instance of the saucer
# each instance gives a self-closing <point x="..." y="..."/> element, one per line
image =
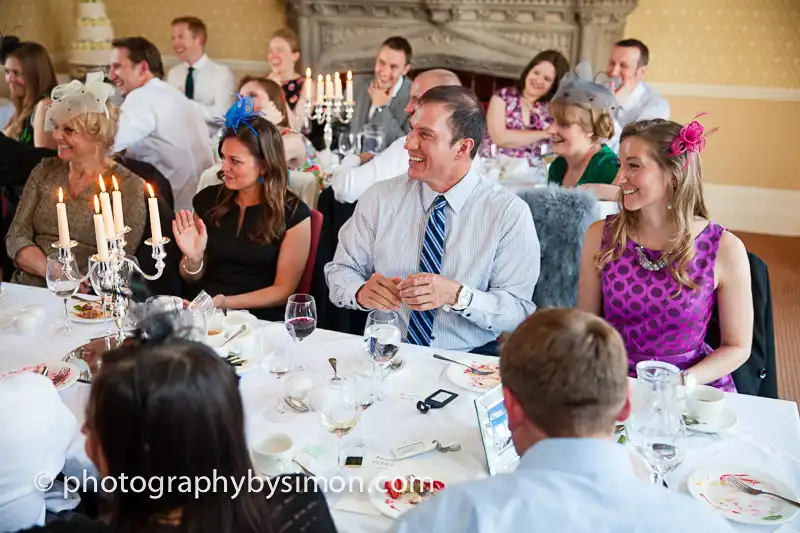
<point x="727" y="419"/>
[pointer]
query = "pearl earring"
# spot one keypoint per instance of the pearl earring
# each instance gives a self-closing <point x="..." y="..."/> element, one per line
<point x="669" y="206"/>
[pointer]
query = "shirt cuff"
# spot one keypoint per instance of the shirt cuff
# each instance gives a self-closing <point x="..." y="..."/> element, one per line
<point x="350" y="294"/>
<point x="351" y="160"/>
<point x="481" y="303"/>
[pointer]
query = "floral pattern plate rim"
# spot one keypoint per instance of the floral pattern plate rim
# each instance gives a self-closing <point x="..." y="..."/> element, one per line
<point x="707" y="485"/>
<point x="462" y="377"/>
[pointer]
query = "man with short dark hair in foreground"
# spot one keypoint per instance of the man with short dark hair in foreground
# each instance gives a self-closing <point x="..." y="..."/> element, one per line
<point x="565" y="385"/>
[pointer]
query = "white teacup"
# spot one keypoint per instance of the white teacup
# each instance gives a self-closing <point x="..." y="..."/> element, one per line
<point x="273" y="456"/>
<point x="705" y="404"/>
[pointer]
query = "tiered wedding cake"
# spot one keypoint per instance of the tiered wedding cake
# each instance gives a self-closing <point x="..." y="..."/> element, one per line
<point x="93" y="35"/>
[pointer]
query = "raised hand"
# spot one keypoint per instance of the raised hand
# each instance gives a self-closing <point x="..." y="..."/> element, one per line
<point x="380" y="292"/>
<point x="190" y="235"/>
<point x="271" y="113"/>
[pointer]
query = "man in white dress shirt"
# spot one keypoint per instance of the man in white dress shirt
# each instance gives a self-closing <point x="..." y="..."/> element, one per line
<point x="209" y="85"/>
<point x="456" y="257"/>
<point x="637" y="100"/>
<point x="158" y="124"/>
<point x="564" y="376"/>
<point x="358" y="173"/>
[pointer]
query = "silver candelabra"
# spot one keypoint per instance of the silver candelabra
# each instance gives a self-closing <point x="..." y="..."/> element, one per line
<point x="111" y="278"/>
<point x="326" y="112"/>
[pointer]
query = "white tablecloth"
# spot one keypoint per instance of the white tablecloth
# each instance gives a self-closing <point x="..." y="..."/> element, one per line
<point x="395" y="421"/>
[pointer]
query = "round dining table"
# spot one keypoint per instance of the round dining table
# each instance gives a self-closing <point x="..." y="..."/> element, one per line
<point x="766" y="436"/>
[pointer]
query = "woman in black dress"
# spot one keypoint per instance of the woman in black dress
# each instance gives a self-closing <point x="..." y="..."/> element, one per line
<point x="248" y="240"/>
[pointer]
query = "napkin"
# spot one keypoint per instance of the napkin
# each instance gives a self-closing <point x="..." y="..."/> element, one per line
<point x="515" y="168"/>
<point x="356" y="503"/>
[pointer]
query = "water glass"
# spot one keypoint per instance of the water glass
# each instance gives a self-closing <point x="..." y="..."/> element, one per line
<point x="276" y="351"/>
<point x="347" y="143"/>
<point x="382" y="337"/>
<point x="63" y="279"/>
<point x="370" y="139"/>
<point x="656" y="384"/>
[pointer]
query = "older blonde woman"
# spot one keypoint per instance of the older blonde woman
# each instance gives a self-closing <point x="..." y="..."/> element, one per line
<point x="84" y="125"/>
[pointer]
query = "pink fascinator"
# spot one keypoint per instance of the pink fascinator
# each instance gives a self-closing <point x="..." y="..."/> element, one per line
<point x="691" y="139"/>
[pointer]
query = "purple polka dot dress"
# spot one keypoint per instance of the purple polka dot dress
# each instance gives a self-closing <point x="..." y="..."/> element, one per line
<point x="653" y="324"/>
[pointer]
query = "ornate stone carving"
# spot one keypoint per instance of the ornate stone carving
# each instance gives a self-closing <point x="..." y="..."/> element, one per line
<point x="493" y="36"/>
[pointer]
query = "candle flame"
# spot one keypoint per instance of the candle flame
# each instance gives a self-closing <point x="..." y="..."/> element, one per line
<point x="102" y="183"/>
<point x="308" y="72"/>
<point x="60" y="195"/>
<point x="336" y="75"/>
<point x="96" y="204"/>
<point x="319" y="78"/>
<point x="327" y="77"/>
<point x="152" y="193"/>
<point x="114" y="180"/>
<point x="349" y="75"/>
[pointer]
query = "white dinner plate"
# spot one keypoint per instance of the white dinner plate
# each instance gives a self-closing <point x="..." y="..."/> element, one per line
<point x="726" y="421"/>
<point x="73" y="313"/>
<point x="707" y="486"/>
<point x="465" y="379"/>
<point x="53" y="369"/>
<point x="450" y="470"/>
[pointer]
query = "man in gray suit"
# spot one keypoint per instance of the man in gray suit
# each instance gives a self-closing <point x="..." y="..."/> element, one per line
<point x="382" y="102"/>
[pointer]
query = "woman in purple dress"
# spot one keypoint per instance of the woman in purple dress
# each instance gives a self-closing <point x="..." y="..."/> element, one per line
<point x="517" y="116"/>
<point x="655" y="270"/>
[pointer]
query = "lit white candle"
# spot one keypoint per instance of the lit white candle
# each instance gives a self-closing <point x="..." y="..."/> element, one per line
<point x="63" y="226"/>
<point x="328" y="87"/>
<point x="116" y="200"/>
<point x="320" y="89"/>
<point x="108" y="213"/>
<point x="100" y="232"/>
<point x="308" y="86"/>
<point x="337" y="86"/>
<point x="155" y="219"/>
<point x="349" y="87"/>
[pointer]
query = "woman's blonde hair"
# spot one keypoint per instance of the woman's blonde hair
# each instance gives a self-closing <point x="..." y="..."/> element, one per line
<point x="102" y="128"/>
<point x="597" y="122"/>
<point x="684" y="174"/>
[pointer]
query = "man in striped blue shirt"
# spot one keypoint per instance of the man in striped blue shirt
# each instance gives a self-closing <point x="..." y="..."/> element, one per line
<point x="456" y="256"/>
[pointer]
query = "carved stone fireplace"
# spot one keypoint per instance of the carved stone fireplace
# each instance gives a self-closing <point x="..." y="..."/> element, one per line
<point x="494" y="38"/>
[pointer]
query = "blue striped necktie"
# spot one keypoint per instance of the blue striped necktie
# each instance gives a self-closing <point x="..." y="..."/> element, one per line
<point x="420" y="323"/>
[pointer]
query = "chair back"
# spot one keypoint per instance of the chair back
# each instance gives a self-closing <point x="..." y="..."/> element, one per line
<point x="758" y="376"/>
<point x="561" y="217"/>
<point x="316" y="229"/>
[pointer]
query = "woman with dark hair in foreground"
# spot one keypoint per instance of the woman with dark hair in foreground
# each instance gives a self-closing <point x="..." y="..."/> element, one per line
<point x="167" y="407"/>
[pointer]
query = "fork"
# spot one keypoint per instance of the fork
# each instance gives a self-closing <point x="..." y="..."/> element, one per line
<point x="472" y="370"/>
<point x="740" y="485"/>
<point x="60" y="376"/>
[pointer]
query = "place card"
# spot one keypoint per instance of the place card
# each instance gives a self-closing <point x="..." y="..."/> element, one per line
<point x="409" y="396"/>
<point x="501" y="456"/>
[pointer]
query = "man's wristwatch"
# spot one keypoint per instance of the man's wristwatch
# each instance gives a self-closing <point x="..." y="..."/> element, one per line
<point x="463" y="298"/>
<point x="687" y="379"/>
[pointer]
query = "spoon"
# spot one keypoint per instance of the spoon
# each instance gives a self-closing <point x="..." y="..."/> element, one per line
<point x="472" y="370"/>
<point x="332" y="361"/>
<point x="238" y="332"/>
<point x="296" y="405"/>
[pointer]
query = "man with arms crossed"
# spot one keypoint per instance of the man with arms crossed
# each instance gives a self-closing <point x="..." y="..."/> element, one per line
<point x="458" y="258"/>
<point x="565" y="384"/>
<point x="358" y="173"/>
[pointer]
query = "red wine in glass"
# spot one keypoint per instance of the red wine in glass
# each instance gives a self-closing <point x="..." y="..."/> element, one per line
<point x="303" y="326"/>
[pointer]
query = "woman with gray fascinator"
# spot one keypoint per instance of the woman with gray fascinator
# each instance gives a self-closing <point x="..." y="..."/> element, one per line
<point x="583" y="123"/>
<point x="84" y="124"/>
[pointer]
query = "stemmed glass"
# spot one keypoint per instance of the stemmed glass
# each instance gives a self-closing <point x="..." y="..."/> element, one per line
<point x="63" y="280"/>
<point x="339" y="413"/>
<point x="664" y="442"/>
<point x="277" y="343"/>
<point x="301" y="313"/>
<point x="347" y="143"/>
<point x="381" y="341"/>
<point x="367" y="390"/>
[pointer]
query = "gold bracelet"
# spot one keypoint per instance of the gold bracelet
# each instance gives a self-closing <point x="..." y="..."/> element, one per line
<point x="183" y="264"/>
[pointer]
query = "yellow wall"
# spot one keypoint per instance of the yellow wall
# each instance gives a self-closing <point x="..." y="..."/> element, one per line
<point x="238" y="29"/>
<point x="739" y="43"/>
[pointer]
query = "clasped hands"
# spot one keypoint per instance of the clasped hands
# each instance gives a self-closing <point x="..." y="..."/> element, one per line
<point x="420" y="292"/>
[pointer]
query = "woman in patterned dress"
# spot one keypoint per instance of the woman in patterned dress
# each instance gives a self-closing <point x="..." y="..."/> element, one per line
<point x="655" y="270"/>
<point x="268" y="99"/>
<point x="517" y="117"/>
<point x="284" y="53"/>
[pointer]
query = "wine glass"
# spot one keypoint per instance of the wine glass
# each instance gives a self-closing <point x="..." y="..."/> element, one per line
<point x="381" y="341"/>
<point x="301" y="313"/>
<point x="63" y="280"/>
<point x="347" y="143"/>
<point x="664" y="437"/>
<point x="339" y="413"/>
<point x="367" y="388"/>
<point x="276" y="349"/>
